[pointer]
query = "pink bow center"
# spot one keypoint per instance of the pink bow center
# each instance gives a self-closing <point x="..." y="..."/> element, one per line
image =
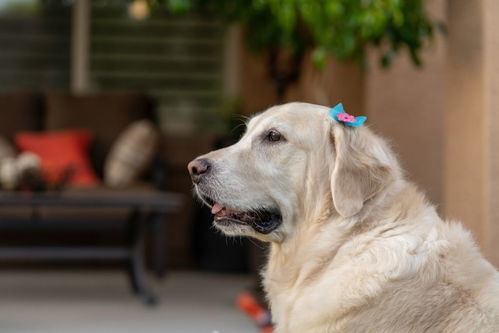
<point x="345" y="117"/>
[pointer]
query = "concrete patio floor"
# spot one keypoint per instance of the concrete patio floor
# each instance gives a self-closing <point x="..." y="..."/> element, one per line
<point x="81" y="301"/>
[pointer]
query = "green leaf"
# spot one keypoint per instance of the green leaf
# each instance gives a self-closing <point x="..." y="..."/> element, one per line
<point x="343" y="29"/>
<point x="319" y="57"/>
<point x="179" y="6"/>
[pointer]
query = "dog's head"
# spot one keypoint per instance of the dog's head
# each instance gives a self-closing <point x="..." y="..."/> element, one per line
<point x="294" y="164"/>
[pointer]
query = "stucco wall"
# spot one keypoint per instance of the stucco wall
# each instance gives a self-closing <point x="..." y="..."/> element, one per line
<point x="465" y="133"/>
<point x="406" y="104"/>
<point x="333" y="84"/>
<point x="491" y="10"/>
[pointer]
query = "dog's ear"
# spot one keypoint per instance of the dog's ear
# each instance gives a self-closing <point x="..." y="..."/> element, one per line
<point x="359" y="172"/>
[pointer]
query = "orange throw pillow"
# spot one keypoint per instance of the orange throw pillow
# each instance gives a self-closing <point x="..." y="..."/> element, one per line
<point x="60" y="152"/>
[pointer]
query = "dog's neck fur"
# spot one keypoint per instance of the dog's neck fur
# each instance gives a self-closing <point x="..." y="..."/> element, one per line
<point x="317" y="240"/>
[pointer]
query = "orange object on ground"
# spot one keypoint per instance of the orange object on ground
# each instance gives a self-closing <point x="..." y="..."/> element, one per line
<point x="248" y="304"/>
<point x="60" y="152"/>
<point x="267" y="329"/>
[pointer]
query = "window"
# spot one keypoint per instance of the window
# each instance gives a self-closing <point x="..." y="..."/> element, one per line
<point x="178" y="60"/>
<point x="34" y="45"/>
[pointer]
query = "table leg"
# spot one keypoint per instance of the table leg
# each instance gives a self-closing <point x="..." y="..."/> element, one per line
<point x="159" y="233"/>
<point x="136" y="267"/>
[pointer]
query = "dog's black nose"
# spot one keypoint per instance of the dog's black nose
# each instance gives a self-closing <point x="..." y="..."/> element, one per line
<point x="198" y="168"/>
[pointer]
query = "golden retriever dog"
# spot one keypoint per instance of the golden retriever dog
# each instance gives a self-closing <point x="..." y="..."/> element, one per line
<point x="355" y="247"/>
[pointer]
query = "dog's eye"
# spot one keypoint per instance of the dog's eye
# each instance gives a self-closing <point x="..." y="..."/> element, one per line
<point x="274" y="136"/>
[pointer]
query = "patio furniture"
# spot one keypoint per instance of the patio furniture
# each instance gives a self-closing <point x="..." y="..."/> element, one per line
<point x="148" y="209"/>
<point x="105" y="115"/>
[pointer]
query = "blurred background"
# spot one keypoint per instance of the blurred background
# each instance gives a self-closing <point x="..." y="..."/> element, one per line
<point x="103" y="104"/>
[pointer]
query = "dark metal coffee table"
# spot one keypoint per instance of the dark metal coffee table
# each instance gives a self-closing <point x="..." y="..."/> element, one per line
<point x="148" y="209"/>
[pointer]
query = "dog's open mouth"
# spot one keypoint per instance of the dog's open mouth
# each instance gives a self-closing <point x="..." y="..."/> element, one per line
<point x="263" y="221"/>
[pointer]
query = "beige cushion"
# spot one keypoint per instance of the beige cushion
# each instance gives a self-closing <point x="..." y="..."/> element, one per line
<point x="131" y="154"/>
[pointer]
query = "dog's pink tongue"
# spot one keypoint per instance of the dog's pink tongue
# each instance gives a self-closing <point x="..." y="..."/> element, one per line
<point x="216" y="208"/>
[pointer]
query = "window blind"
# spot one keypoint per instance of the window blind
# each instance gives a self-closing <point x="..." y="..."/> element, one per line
<point x="35" y="48"/>
<point x="178" y="60"/>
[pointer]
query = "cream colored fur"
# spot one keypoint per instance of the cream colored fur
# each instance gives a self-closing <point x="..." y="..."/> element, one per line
<point x="360" y="249"/>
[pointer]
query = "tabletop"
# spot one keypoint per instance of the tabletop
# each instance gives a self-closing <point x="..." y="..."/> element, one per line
<point x="144" y="199"/>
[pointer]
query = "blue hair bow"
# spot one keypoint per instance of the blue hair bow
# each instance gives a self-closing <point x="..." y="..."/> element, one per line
<point x="339" y="114"/>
